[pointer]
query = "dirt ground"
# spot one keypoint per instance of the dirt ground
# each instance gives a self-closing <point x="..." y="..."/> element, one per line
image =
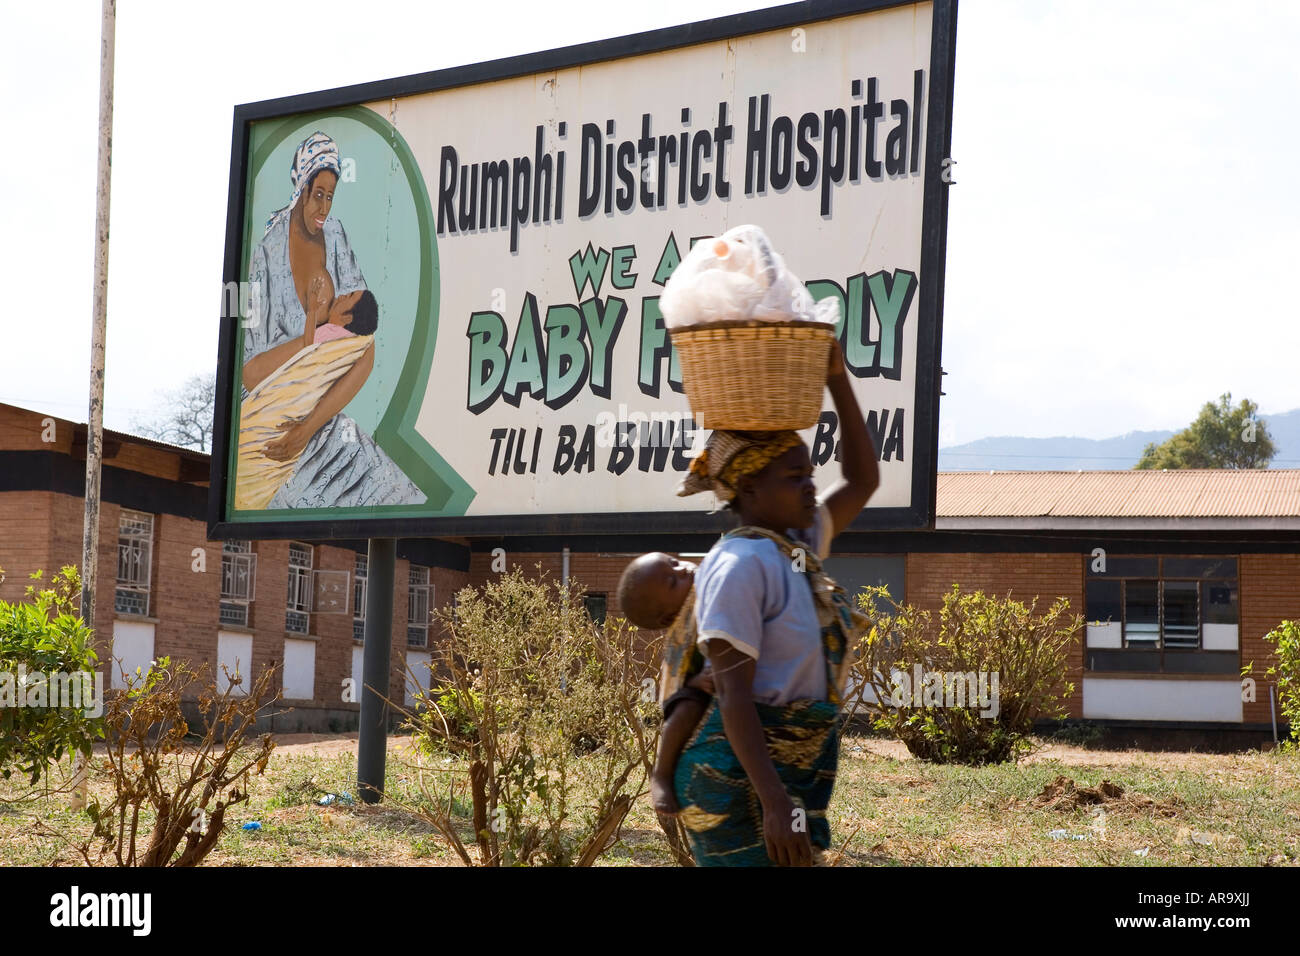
<point x="331" y="744"/>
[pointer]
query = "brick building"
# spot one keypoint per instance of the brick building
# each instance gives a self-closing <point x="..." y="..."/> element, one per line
<point x="1180" y="574"/>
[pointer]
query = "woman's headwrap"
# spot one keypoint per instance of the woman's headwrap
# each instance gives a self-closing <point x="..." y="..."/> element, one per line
<point x="313" y="154"/>
<point x="730" y="455"/>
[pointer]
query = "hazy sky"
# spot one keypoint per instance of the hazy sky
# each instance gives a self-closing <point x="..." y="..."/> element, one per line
<point x="1122" y="235"/>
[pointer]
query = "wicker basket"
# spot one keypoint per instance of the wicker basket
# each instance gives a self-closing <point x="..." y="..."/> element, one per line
<point x="755" y="376"/>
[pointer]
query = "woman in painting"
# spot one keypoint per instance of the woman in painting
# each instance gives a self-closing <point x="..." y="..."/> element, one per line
<point x="296" y="447"/>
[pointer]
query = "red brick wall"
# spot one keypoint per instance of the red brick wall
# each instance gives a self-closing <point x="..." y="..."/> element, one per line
<point x="445" y="585"/>
<point x="1025" y="576"/>
<point x="397" y="638"/>
<point x="334" y="649"/>
<point x="1269" y="593"/>
<point x="67" y="527"/>
<point x="266" y="616"/>
<point x="24" y="539"/>
<point x="67" y="521"/>
<point x="185" y="600"/>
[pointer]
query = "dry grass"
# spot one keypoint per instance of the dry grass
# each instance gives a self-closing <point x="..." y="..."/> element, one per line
<point x="1231" y="810"/>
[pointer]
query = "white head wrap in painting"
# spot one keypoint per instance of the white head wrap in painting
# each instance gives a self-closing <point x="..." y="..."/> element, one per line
<point x="313" y="154"/>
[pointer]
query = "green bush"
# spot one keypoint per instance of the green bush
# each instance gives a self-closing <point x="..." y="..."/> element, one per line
<point x="977" y="634"/>
<point x="1287" y="670"/>
<point x="40" y="637"/>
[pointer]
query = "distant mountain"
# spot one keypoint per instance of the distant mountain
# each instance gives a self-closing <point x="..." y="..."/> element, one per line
<point x="1009" y="453"/>
<point x="1285" y="429"/>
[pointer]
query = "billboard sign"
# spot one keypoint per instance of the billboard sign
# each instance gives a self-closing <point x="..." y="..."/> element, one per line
<point x="440" y="311"/>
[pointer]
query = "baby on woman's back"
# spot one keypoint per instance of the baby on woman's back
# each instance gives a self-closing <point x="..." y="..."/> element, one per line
<point x="362" y="319"/>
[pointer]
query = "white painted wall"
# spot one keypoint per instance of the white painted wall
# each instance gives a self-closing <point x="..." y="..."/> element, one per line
<point x="133" y="643"/>
<point x="299" y="669"/>
<point x="357" y="687"/>
<point x="234" y="654"/>
<point x="1110" y="634"/>
<point x="1139" y="699"/>
<point x="417" y="663"/>
<point x="1219" y="637"/>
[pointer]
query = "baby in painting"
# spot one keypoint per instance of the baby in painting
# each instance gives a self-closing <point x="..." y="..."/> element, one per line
<point x="362" y="319"/>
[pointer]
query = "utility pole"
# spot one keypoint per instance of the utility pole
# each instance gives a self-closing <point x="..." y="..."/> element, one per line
<point x="95" y="421"/>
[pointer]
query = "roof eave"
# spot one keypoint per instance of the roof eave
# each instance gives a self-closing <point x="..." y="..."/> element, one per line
<point x="1106" y="523"/>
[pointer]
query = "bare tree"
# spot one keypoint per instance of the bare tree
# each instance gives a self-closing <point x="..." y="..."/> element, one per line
<point x="184" y="415"/>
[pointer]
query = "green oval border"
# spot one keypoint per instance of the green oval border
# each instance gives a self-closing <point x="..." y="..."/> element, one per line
<point x="447" y="492"/>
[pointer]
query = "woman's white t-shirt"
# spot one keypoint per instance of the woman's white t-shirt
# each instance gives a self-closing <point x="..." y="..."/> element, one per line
<point x="748" y="593"/>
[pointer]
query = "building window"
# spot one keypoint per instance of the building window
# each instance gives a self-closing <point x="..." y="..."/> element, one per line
<point x="134" y="562"/>
<point x="418" y="601"/>
<point x="856" y="572"/>
<point x="595" y="604"/>
<point x="359" y="597"/>
<point x="297" y="617"/>
<point x="238" y="572"/>
<point x="1174" y="615"/>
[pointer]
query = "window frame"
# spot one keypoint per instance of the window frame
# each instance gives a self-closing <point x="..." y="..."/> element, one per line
<point x="360" y="577"/>
<point x="230" y="603"/>
<point x="302" y="606"/>
<point x="418" y="582"/>
<point x="142" y="540"/>
<point x="1161" y="646"/>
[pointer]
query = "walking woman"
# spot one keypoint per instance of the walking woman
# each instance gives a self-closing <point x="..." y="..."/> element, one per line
<point x="755" y="778"/>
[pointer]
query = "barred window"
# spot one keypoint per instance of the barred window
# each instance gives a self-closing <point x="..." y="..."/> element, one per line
<point x="134" y="563"/>
<point x="419" y="598"/>
<point x="297" y="613"/>
<point x="359" y="597"/>
<point x="238" y="573"/>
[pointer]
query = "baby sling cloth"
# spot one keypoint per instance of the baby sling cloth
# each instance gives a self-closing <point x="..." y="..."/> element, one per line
<point x="291" y="392"/>
<point x="720" y="808"/>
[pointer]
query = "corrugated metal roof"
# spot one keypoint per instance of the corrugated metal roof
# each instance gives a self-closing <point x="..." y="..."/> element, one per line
<point x="1182" y="493"/>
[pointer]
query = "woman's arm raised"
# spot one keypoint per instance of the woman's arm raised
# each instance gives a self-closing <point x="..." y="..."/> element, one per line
<point x="861" y="474"/>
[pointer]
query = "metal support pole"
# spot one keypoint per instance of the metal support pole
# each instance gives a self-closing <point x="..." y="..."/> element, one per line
<point x="372" y="738"/>
<point x="1272" y="711"/>
<point x="95" y="421"/>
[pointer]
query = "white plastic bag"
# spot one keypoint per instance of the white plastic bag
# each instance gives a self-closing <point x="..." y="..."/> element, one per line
<point x="738" y="275"/>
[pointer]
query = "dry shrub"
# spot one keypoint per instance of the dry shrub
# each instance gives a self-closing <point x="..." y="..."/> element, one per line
<point x="532" y="705"/>
<point x="187" y="789"/>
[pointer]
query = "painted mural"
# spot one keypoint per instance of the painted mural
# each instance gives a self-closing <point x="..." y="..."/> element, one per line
<point x="308" y="355"/>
